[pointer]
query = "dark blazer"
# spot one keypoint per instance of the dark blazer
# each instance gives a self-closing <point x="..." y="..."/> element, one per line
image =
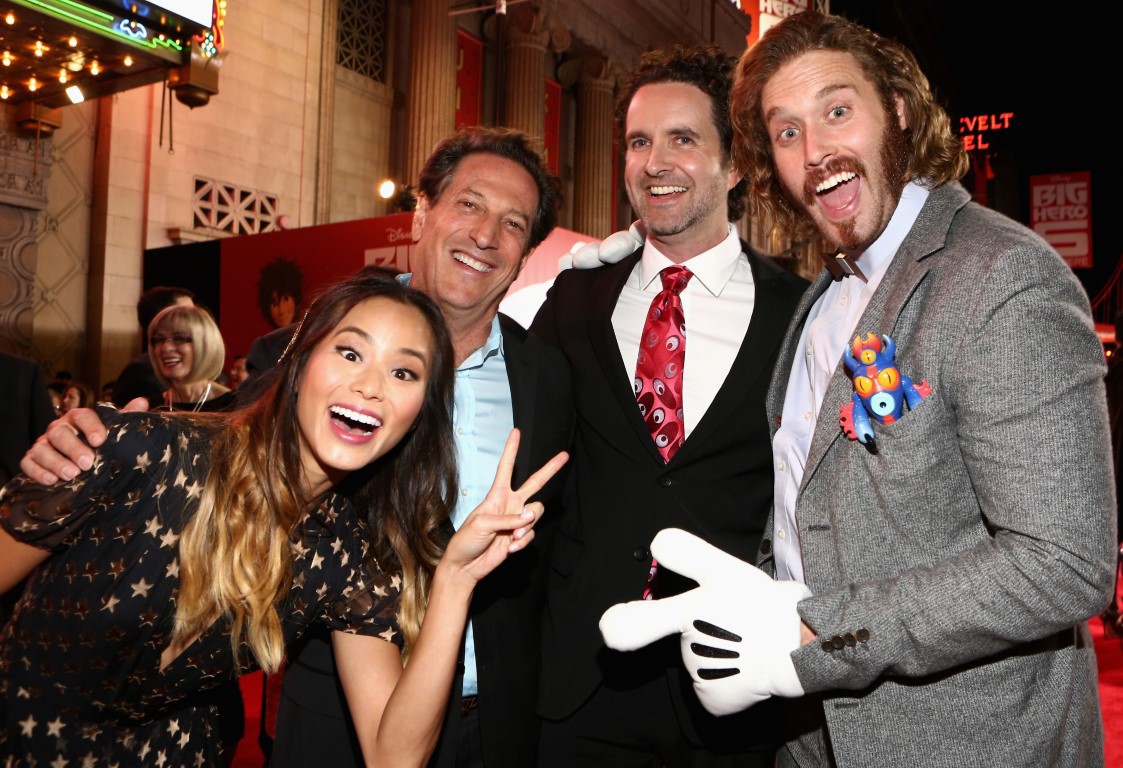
<point x="138" y="379"/>
<point x="718" y="485"/>
<point x="505" y="609"/>
<point x="263" y="354"/>
<point x="26" y="410"/>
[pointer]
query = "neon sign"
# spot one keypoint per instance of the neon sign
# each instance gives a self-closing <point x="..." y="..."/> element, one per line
<point x="975" y="129"/>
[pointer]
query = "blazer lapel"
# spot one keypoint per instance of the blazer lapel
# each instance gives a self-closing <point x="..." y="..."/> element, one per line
<point x="762" y="337"/>
<point x="603" y="294"/>
<point x="778" y="388"/>
<point x="521" y="361"/>
<point x="902" y="279"/>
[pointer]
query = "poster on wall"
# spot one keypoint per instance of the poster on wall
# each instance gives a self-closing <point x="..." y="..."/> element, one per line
<point x="1061" y="212"/>
<point x="267" y="280"/>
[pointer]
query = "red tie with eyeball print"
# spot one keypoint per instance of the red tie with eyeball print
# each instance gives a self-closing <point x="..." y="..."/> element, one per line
<point x="658" y="382"/>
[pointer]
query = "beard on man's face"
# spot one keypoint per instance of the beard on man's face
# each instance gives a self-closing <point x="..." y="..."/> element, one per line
<point x="894" y="156"/>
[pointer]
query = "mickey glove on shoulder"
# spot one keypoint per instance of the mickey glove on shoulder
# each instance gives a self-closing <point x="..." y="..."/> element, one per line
<point x="738" y="626"/>
<point x="608" y="251"/>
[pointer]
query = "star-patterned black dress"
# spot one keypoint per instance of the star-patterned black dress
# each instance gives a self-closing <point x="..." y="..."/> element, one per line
<point x="80" y="678"/>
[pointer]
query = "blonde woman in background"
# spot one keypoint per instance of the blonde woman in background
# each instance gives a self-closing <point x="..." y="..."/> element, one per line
<point x="187" y="352"/>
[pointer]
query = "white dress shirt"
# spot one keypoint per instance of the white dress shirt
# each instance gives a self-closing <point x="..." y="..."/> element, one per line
<point x="717" y="304"/>
<point x="829" y="328"/>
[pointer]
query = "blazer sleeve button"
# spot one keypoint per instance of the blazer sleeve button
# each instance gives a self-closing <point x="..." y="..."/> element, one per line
<point x="838" y="643"/>
<point x="862" y="635"/>
<point x="849" y="639"/>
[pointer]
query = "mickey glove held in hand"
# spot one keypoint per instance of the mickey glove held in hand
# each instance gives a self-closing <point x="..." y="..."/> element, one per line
<point x="738" y="626"/>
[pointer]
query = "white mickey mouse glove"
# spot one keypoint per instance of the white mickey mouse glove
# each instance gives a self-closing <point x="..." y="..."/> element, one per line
<point x="608" y="251"/>
<point x="738" y="626"/>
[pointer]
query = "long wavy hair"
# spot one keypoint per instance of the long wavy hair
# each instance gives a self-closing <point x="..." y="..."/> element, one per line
<point x="235" y="554"/>
<point x="937" y="154"/>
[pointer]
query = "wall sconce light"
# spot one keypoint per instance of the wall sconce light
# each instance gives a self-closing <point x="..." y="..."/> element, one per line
<point x="401" y="198"/>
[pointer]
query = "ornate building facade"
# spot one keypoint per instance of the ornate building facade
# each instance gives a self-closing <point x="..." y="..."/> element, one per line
<point x="318" y="101"/>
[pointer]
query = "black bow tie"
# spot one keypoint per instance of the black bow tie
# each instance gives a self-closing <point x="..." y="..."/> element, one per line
<point x="840" y="265"/>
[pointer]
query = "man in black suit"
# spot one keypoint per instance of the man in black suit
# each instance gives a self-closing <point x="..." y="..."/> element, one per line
<point x="485" y="202"/>
<point x="601" y="707"/>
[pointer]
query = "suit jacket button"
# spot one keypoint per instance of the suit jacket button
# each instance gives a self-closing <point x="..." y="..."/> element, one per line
<point x="766" y="546"/>
<point x="862" y="635"/>
<point x="838" y="643"/>
<point x="666" y="482"/>
<point x="642" y="554"/>
<point x="849" y="639"/>
<point x="827" y="645"/>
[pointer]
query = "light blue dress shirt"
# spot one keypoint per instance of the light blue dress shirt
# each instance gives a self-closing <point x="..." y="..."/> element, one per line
<point x="482" y="420"/>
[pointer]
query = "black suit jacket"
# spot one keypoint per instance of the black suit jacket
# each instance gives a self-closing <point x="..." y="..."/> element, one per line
<point x="263" y="354"/>
<point x="506" y="607"/>
<point x="25" y="413"/>
<point x="719" y="485"/>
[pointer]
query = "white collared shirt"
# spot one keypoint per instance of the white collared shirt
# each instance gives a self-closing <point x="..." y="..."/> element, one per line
<point x="717" y="304"/>
<point x="829" y="327"/>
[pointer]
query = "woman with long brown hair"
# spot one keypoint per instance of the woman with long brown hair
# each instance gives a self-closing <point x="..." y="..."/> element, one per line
<point x="198" y="546"/>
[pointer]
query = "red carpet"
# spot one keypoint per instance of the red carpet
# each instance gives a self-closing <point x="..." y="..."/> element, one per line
<point x="1109" y="653"/>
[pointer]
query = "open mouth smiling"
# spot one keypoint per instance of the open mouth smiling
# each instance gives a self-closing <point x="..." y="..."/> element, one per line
<point x="353" y="420"/>
<point x="833" y="181"/>
<point x="475" y="264"/>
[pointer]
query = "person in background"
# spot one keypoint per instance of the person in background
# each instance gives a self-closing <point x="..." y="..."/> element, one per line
<point x="106" y="394"/>
<point x="137" y="378"/>
<point x="600" y="707"/>
<point x="486" y="201"/>
<point x="77" y="394"/>
<point x="55" y="392"/>
<point x="186" y="349"/>
<point x="208" y="543"/>
<point x="237" y="373"/>
<point x="944" y="523"/>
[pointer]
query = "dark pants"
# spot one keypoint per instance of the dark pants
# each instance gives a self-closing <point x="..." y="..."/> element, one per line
<point x="635" y="727"/>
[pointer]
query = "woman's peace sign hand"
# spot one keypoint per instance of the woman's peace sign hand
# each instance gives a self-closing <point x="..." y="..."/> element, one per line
<point x="504" y="521"/>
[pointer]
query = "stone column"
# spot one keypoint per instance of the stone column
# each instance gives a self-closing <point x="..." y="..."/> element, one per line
<point x="24" y="168"/>
<point x="531" y="33"/>
<point x="592" y="176"/>
<point x="432" y="81"/>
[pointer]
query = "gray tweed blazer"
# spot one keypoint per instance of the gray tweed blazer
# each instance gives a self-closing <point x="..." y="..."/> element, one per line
<point x="953" y="570"/>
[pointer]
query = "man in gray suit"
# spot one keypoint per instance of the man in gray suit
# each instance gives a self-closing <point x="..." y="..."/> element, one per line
<point x="944" y="516"/>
